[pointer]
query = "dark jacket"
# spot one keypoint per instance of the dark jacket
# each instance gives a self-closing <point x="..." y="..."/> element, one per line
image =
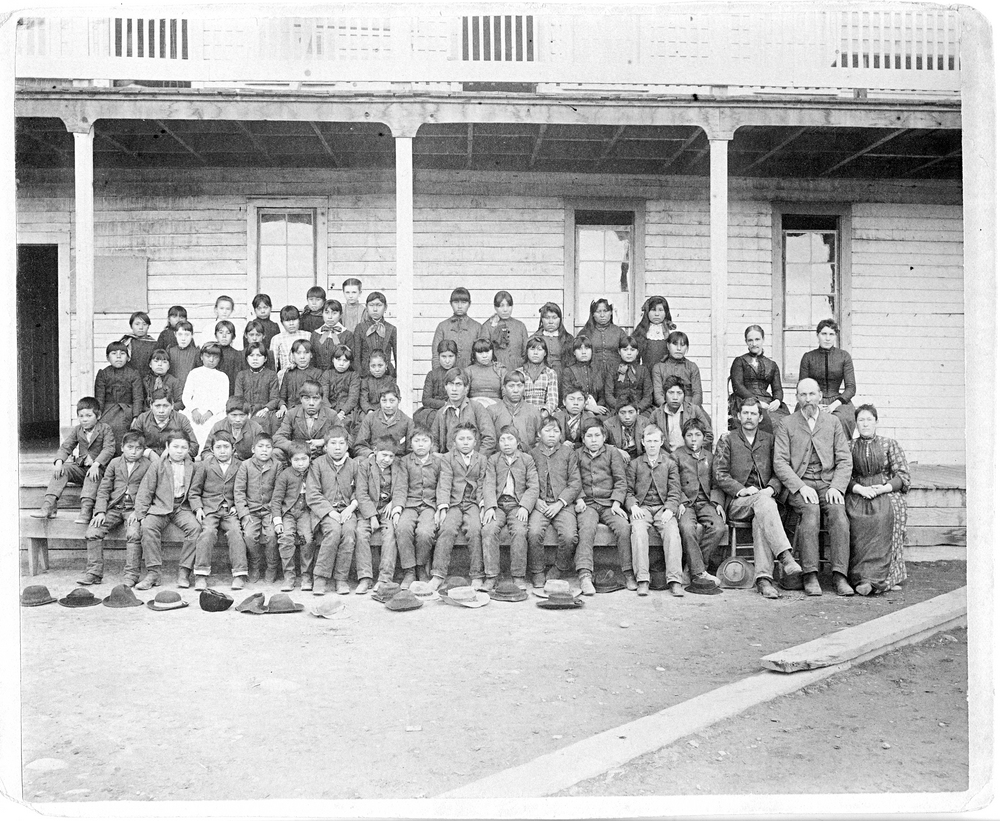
<point x="686" y="371"/>
<point x="374" y="426"/>
<point x="369" y="487"/>
<point x="558" y="473"/>
<point x="614" y="430"/>
<point x="100" y="450"/>
<point x="323" y="348"/>
<point x="459" y="484"/>
<point x="589" y="378"/>
<point x="447" y="419"/>
<point x="736" y="460"/>
<point x="422" y="480"/>
<point x="287" y="488"/>
<point x="634" y="385"/>
<point x="242" y="446"/>
<point x="688" y="411"/>
<point x="642" y="478"/>
<point x="156" y="437"/>
<point x="341" y="391"/>
<point x="762" y="383"/>
<point x="366" y="342"/>
<point x="696" y="475"/>
<point x="255" y="486"/>
<point x="794" y="442"/>
<point x="370" y="391"/>
<point x="120" y="387"/>
<point x="434" y="396"/>
<point x="524" y="418"/>
<point x="156" y="491"/>
<point x="603" y="475"/>
<point x="525" y="476"/>
<point x="293" y="427"/>
<point x="294" y="379"/>
<point x="328" y="487"/>
<point x="831" y="368"/>
<point x="210" y="490"/>
<point x="118" y="489"/>
<point x="259" y="388"/>
<point x="168" y="382"/>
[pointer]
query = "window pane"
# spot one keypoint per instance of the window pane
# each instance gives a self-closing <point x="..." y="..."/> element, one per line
<point x="796" y="344"/>
<point x="271" y="263"/>
<point x="300" y="230"/>
<point x="797" y="310"/>
<point x="590" y="243"/>
<point x="824" y="279"/>
<point x="797" y="248"/>
<point x="797" y="279"/>
<point x="822" y="308"/>
<point x="301" y="262"/>
<point x="828" y="252"/>
<point x="272" y="229"/>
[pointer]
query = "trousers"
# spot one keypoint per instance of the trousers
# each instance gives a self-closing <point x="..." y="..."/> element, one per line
<point x="807" y="535"/>
<point x="566" y="538"/>
<point x="297" y="524"/>
<point x="210" y="527"/>
<point x="133" y="544"/>
<point x="703" y="549"/>
<point x="337" y="548"/>
<point x="619" y="527"/>
<point x="518" y="530"/>
<point x="153" y="525"/>
<point x="415" y="533"/>
<point x="464" y="517"/>
<point x="669" y="535"/>
<point x="260" y="540"/>
<point x="769" y="539"/>
<point x="363" y="549"/>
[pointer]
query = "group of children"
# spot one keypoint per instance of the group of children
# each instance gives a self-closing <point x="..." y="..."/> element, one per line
<point x="297" y="450"/>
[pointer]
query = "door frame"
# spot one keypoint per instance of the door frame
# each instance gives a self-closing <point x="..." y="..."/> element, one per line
<point x="62" y="239"/>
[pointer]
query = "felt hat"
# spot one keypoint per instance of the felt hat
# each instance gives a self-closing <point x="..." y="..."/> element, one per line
<point x="122" y="596"/>
<point x="657" y="580"/>
<point x="404" y="600"/>
<point x="736" y="573"/>
<point x="282" y="603"/>
<point x="81" y="597"/>
<point x="385" y="591"/>
<point x="792" y="581"/>
<point x="423" y="591"/>
<point x="561" y="601"/>
<point x="214" y="601"/>
<point x="452" y="582"/>
<point x="329" y="609"/>
<point x="167" y="600"/>
<point x="508" y="591"/>
<point x="609" y="580"/>
<point x="557" y="586"/>
<point x="704" y="587"/>
<point x="466" y="596"/>
<point x="254" y="603"/>
<point x="36" y="594"/>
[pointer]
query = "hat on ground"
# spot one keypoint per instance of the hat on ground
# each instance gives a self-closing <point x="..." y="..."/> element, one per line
<point x="81" y="597"/>
<point x="466" y="597"/>
<point x="167" y="600"/>
<point x="736" y="573"/>
<point x="214" y="601"/>
<point x="792" y="581"/>
<point x="423" y="591"/>
<point x="253" y="603"/>
<point x="452" y="582"/>
<point x="559" y="586"/>
<point x="561" y="601"/>
<point x="282" y="603"/>
<point x="404" y="600"/>
<point x="385" y="591"/>
<point x="657" y="580"/>
<point x="508" y="591"/>
<point x="122" y="596"/>
<point x="329" y="609"/>
<point x="704" y="587"/>
<point x="609" y="580"/>
<point x="36" y="594"/>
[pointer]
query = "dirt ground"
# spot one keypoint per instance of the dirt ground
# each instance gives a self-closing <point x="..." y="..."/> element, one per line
<point x="896" y="724"/>
<point x="140" y="705"/>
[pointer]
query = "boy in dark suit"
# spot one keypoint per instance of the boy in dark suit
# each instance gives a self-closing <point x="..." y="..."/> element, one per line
<point x="381" y="494"/>
<point x="255" y="480"/>
<point x="115" y="501"/>
<point x="238" y="424"/>
<point x="292" y="517"/>
<point x="570" y="417"/>
<point x="310" y="422"/>
<point x="461" y="410"/>
<point x="624" y="430"/>
<point x="387" y="421"/>
<point x="159" y="420"/>
<point x="699" y="506"/>
<point x="558" y="488"/>
<point x="417" y="524"/>
<point x="213" y="500"/>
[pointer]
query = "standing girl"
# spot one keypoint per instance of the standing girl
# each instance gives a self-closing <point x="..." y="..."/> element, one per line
<point x="603" y="334"/>
<point x="652" y="331"/>
<point x="558" y="340"/>
<point x="205" y="393"/>
<point x="508" y="335"/>
<point x="330" y="335"/>
<point x="677" y="364"/>
<point x="257" y="384"/>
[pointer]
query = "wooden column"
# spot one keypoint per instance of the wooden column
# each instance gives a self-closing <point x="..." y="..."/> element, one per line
<point x="404" y="267"/>
<point x="83" y="181"/>
<point x="719" y="257"/>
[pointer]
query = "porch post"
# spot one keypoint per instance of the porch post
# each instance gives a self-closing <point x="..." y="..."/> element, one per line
<point x="719" y="263"/>
<point x="404" y="266"/>
<point x="83" y="154"/>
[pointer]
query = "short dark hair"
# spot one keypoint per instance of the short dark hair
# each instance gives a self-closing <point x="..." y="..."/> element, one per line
<point x="310" y="385"/>
<point x="261" y="299"/>
<point x="582" y="342"/>
<point x="377" y="296"/>
<point x="678" y="338"/>
<point x="390" y="389"/>
<point x="628" y="341"/>
<point x="160" y="393"/>
<point x="460" y="294"/>
<point x="222" y="436"/>
<point x="457" y="373"/>
<point x="333" y="305"/>
<point x="447" y="346"/>
<point x="513" y="376"/>
<point x="342" y="351"/>
<point x="263" y="436"/>
<point x="509" y="430"/>
<point x="673" y="381"/>
<point x="469" y="426"/>
<point x="139" y="315"/>
<point x="237" y="403"/>
<point x="296" y="447"/>
<point x="289" y="312"/>
<point x="225" y="323"/>
<point x="828" y="323"/>
<point x="183" y="325"/>
<point x="501" y="297"/>
<point x="749" y="402"/>
<point x="160" y="353"/>
<point x="420" y="430"/>
<point x="693" y="424"/>
<point x="173" y="433"/>
<point x="255" y="346"/>
<point x="88" y="403"/>
<point x="592" y="422"/>
<point x="378" y="353"/>
<point x="177" y="310"/>
<point x="115" y="346"/>
<point x="212" y="349"/>
<point x="385" y="443"/>
<point x="336" y="433"/>
<point x="134" y="436"/>
<point x="302" y="344"/>
<point x="316" y="291"/>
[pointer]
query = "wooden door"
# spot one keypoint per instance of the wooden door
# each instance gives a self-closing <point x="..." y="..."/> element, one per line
<point x="38" y="341"/>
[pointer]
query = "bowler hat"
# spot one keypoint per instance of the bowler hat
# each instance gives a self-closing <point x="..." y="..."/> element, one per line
<point x="254" y="603"/>
<point x="735" y="573"/>
<point x="561" y="601"/>
<point x="214" y="601"/>
<point x="385" y="591"/>
<point x="792" y="581"/>
<point x="704" y="587"/>
<point x="81" y="597"/>
<point x="329" y="609"/>
<point x="122" y="596"/>
<point x="557" y="586"/>
<point x="508" y="591"/>
<point x="609" y="580"/>
<point x="282" y="603"/>
<point x="404" y="600"/>
<point x="167" y="600"/>
<point x="657" y="580"/>
<point x="36" y="594"/>
<point x="466" y="596"/>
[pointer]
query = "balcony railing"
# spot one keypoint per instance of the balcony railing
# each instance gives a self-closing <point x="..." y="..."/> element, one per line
<point x="905" y="48"/>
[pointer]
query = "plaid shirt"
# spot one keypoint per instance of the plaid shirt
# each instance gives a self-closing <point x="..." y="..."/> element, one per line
<point x="543" y="392"/>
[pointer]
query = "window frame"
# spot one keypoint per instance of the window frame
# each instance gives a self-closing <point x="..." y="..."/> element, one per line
<point x="638" y="273"/>
<point x="842" y="211"/>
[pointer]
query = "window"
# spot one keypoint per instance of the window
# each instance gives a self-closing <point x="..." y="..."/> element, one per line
<point x="604" y="254"/>
<point x="286" y="254"/>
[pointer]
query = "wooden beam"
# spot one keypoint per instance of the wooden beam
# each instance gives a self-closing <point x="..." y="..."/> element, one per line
<point x="170" y="132"/>
<point x="669" y="161"/>
<point x="253" y="139"/>
<point x="116" y="144"/>
<point x="538" y="144"/>
<point x="468" y="145"/>
<point x="950" y="155"/>
<point x="863" y="151"/>
<point x="794" y="136"/>
<point x="610" y="146"/>
<point x="324" y="143"/>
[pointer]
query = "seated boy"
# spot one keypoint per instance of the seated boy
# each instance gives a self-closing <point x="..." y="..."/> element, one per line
<point x="80" y="460"/>
<point x="373" y="383"/>
<point x="461" y="410"/>
<point x="654" y="493"/>
<point x="460" y="505"/>
<point x="570" y="417"/>
<point x="118" y="390"/>
<point x="213" y="500"/>
<point x="514" y="411"/>
<point x="559" y="487"/>
<point x="115" y="503"/>
<point x="330" y="494"/>
<point x="255" y="480"/>
<point x="435" y="396"/>
<point x="697" y="475"/>
<point x="381" y="495"/>
<point x="238" y="424"/>
<point x="417" y="524"/>
<point x="510" y="492"/>
<point x="675" y="412"/>
<point x="310" y="422"/>
<point x="158" y="421"/>
<point x="389" y="421"/>
<point x="164" y="497"/>
<point x="624" y="430"/>
<point x="292" y="517"/>
<point x="157" y="377"/>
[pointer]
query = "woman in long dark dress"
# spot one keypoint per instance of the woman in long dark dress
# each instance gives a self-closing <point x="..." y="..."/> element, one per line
<point x="876" y="508"/>
<point x="832" y="367"/>
<point x="604" y="335"/>
<point x="754" y="376"/>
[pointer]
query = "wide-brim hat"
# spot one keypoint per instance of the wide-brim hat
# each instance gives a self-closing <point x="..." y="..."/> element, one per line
<point x="214" y="601"/>
<point x="35" y="595"/>
<point x="508" y="591"/>
<point x="166" y="600"/>
<point x="657" y="580"/>
<point x="466" y="596"/>
<point x="452" y="582"/>
<point x="81" y="597"/>
<point x="609" y="580"/>
<point x="424" y="591"/>
<point x="329" y="609"/>
<point x="561" y="601"/>
<point x="792" y="581"/>
<point x="282" y="603"/>
<point x="557" y="586"/>
<point x="735" y="573"/>
<point x="385" y="591"/>
<point x="404" y="600"/>
<point x="703" y="587"/>
<point x="254" y="603"/>
<point x="122" y="596"/>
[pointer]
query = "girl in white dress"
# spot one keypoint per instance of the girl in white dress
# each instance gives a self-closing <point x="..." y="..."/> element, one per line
<point x="205" y="392"/>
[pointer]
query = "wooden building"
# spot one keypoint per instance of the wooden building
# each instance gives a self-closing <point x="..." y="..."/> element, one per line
<point x="770" y="166"/>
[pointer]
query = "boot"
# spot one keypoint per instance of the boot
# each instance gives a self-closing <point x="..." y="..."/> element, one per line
<point x="788" y="564"/>
<point x="288" y="583"/>
<point x="271" y="575"/>
<point x="254" y="575"/>
<point x="48" y="508"/>
<point x="86" y="512"/>
<point x="587" y="583"/>
<point x="630" y="581"/>
<point x="183" y="577"/>
<point x="150" y="580"/>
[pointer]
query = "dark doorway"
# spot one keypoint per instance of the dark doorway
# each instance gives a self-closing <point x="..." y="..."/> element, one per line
<point x="38" y="341"/>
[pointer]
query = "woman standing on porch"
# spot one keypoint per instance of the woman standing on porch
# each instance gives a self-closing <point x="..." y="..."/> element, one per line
<point x="754" y="376"/>
<point x="604" y="335"/>
<point x="832" y="367"/>
<point x="508" y="335"/>
<point x="876" y="508"/>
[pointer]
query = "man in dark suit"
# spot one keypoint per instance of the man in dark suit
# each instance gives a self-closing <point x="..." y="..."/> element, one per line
<point x="743" y="472"/>
<point x="812" y="459"/>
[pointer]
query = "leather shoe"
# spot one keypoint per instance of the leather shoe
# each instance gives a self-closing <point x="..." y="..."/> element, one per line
<point x="587" y="585"/>
<point x="676" y="589"/>
<point x="842" y="586"/>
<point x="183" y="578"/>
<point x="239" y="582"/>
<point x="89" y="579"/>
<point x="307" y="581"/>
<point x="150" y="580"/>
<point x="630" y="581"/>
<point x="318" y="586"/>
<point x="409" y="577"/>
<point x="343" y="588"/>
<point x="288" y="583"/>
<point x="811" y="583"/>
<point x="643" y="588"/>
<point x="538" y="580"/>
<point x="364" y="585"/>
<point x="521" y="582"/>
<point x="201" y="583"/>
<point x="766" y="589"/>
<point x="788" y="564"/>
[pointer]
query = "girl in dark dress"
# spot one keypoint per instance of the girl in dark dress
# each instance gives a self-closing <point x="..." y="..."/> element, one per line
<point x="604" y="335"/>
<point x="257" y="384"/>
<point x="754" y="376"/>
<point x="330" y="335"/>
<point x="118" y="390"/>
<point x="832" y="367"/>
<point x="232" y="361"/>
<point x="341" y="387"/>
<point x="558" y="340"/>
<point x="652" y="331"/>
<point x="139" y="343"/>
<point x="584" y="376"/>
<point x="435" y="396"/>
<point x="303" y="370"/>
